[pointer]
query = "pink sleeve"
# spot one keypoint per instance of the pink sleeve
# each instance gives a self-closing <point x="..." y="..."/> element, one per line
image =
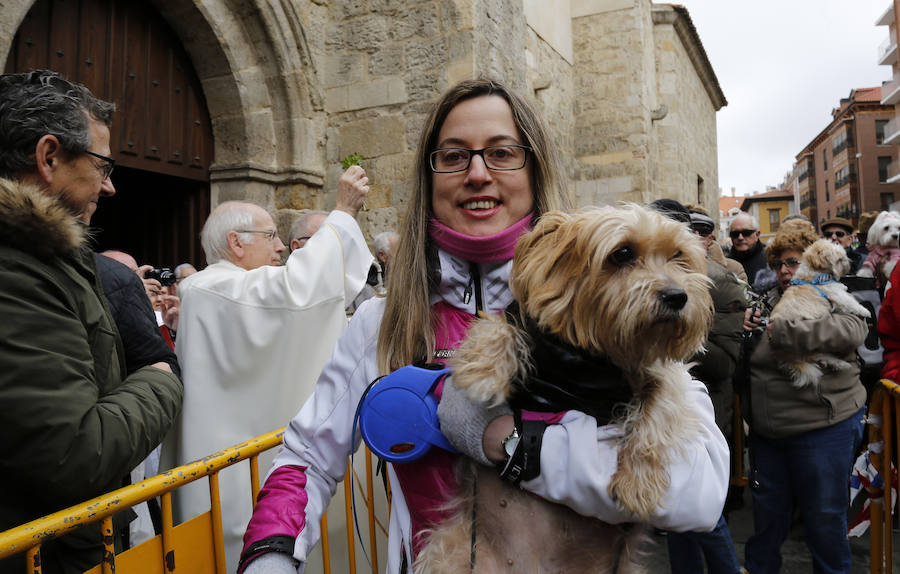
<point x="281" y="506"/>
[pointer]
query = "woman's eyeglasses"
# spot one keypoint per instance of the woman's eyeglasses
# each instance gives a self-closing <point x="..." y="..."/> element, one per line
<point x="836" y="233"/>
<point x="496" y="157"/>
<point x="790" y="263"/>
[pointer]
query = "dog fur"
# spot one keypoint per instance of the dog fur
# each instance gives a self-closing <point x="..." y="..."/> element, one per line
<point x="882" y="242"/>
<point x="806" y="301"/>
<point x="624" y="283"/>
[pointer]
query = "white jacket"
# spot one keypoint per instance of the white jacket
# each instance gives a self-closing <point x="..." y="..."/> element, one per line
<point x="251" y="345"/>
<point x="578" y="458"/>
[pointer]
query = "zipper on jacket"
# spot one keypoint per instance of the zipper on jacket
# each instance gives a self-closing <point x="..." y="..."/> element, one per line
<point x="474" y="285"/>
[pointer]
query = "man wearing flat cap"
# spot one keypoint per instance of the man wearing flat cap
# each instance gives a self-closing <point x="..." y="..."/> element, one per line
<point x="840" y="231"/>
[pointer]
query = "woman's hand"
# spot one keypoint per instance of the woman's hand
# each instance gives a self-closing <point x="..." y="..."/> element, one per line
<point x="752" y="318"/>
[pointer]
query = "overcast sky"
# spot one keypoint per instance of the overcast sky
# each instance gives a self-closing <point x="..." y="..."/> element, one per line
<point x="783" y="65"/>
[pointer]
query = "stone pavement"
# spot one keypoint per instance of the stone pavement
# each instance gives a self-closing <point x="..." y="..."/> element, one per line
<point x="794" y="552"/>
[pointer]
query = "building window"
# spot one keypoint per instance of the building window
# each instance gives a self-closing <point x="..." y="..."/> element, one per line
<point x="827" y="194"/>
<point x="839" y="143"/>
<point x="879" y="131"/>
<point x="886" y="200"/>
<point x="774" y="219"/>
<point x="884" y="169"/>
<point x="825" y="159"/>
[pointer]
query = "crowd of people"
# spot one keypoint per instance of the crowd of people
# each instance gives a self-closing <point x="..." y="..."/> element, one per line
<point x="108" y="375"/>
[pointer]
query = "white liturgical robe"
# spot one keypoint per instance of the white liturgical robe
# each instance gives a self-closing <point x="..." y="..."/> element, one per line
<point x="251" y="345"/>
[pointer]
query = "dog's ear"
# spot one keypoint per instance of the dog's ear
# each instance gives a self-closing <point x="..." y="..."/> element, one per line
<point x="546" y="224"/>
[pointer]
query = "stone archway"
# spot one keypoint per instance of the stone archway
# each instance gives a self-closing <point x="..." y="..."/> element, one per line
<point x="256" y="70"/>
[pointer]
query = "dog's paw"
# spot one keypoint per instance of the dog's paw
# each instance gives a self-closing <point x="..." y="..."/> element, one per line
<point x="804" y="373"/>
<point x="492" y="356"/>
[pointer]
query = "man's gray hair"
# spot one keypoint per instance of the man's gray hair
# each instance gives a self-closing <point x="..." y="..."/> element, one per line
<point x="228" y="216"/>
<point x="180" y="269"/>
<point x="301" y="226"/>
<point x="39" y="103"/>
<point x="382" y="241"/>
<point x="753" y="220"/>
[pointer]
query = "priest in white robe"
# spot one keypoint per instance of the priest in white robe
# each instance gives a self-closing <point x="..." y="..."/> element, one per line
<point x="253" y="335"/>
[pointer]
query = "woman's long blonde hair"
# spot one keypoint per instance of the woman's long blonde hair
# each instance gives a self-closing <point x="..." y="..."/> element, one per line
<point x="407" y="329"/>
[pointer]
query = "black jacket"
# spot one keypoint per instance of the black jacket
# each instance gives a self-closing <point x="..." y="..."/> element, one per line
<point x="134" y="316"/>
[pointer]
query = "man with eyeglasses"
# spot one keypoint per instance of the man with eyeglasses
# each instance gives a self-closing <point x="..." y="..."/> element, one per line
<point x="840" y="231"/>
<point x="748" y="250"/>
<point x="75" y="419"/>
<point x="253" y="335"/>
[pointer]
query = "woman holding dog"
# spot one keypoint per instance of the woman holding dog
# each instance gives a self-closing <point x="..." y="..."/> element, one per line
<point x="802" y="440"/>
<point x="485" y="171"/>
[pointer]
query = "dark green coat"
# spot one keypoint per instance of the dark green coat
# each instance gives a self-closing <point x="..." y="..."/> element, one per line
<point x="716" y="365"/>
<point x="72" y="424"/>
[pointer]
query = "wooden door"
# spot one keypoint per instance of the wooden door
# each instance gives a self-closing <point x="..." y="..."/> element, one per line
<point x="161" y="137"/>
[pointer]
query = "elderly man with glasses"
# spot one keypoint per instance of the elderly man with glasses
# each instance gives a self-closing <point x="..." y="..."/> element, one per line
<point x="749" y="251"/>
<point x="253" y="335"/>
<point x="840" y="231"/>
<point x="76" y="417"/>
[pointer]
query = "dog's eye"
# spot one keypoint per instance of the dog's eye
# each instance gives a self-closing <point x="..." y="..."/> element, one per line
<point x="622" y="256"/>
<point x="677" y="255"/>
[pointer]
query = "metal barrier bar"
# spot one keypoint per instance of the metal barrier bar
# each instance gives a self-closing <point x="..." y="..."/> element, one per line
<point x="326" y="550"/>
<point x="737" y="446"/>
<point x="33" y="560"/>
<point x="216" y="514"/>
<point x="348" y="511"/>
<point x="21" y="538"/>
<point x="876" y="510"/>
<point x="109" y="546"/>
<point x="254" y="478"/>
<point x="370" y="494"/>
<point x="29" y="537"/>
<point x="168" y="524"/>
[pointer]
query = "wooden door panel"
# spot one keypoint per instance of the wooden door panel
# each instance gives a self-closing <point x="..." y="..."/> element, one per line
<point x="123" y="51"/>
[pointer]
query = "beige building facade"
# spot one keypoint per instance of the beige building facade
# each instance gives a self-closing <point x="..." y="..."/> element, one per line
<point x="293" y="86"/>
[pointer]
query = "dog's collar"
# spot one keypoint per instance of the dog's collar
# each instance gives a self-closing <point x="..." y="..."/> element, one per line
<point x="820" y="279"/>
<point x="565" y="378"/>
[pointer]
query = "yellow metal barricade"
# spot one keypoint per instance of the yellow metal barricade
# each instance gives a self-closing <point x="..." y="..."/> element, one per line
<point x="884" y="429"/>
<point x="195" y="546"/>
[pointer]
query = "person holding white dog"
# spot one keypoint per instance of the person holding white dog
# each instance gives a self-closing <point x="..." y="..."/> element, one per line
<point x="802" y="440"/>
<point x="486" y="170"/>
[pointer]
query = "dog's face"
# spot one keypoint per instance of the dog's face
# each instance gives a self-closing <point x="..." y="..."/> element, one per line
<point x="627" y="283"/>
<point x="885" y="232"/>
<point x="824" y="256"/>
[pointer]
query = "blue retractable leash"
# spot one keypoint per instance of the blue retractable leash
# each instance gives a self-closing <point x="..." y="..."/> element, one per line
<point x="397" y="418"/>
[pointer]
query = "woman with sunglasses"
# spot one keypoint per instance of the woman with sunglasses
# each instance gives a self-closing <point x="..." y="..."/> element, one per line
<point x="486" y="169"/>
<point x="802" y="440"/>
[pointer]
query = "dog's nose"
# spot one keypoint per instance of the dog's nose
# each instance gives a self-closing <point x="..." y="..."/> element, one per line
<point x="673" y="298"/>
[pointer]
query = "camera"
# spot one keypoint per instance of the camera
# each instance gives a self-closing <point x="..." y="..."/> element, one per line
<point x="164" y="275"/>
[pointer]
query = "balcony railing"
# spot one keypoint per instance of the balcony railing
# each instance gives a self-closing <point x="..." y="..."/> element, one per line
<point x="838" y="148"/>
<point x="893" y="173"/>
<point x="892" y="131"/>
<point x="887" y="52"/>
<point x="887" y="16"/>
<point x="845" y="180"/>
<point x="890" y="92"/>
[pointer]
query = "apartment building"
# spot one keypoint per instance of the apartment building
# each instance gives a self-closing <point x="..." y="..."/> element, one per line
<point x="890" y="96"/>
<point x="849" y="167"/>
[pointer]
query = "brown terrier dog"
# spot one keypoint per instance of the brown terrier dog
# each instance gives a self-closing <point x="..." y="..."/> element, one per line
<point x="816" y="292"/>
<point x="622" y="287"/>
